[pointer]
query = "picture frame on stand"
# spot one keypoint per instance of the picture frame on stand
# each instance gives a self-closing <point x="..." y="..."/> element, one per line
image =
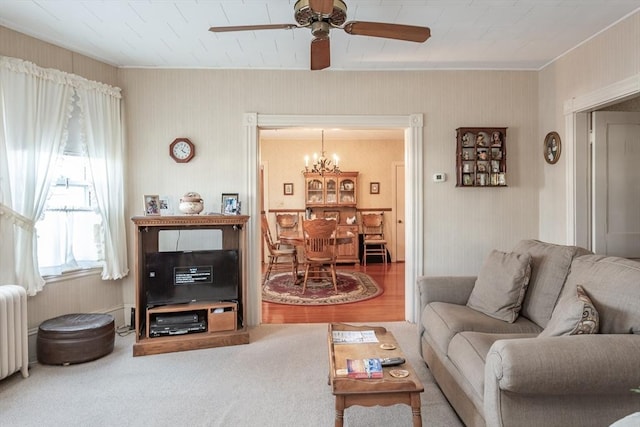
<point x="230" y="204"/>
<point x="151" y="205"/>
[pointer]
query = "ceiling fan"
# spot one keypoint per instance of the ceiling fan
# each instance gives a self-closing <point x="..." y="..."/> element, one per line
<point x="322" y="15"/>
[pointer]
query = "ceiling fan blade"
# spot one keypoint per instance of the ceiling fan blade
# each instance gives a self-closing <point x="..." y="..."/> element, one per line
<point x="253" y="27"/>
<point x="320" y="54"/>
<point x="389" y="31"/>
<point x="323" y="7"/>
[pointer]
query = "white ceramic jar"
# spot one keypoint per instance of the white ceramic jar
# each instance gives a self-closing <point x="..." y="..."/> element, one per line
<point x="191" y="204"/>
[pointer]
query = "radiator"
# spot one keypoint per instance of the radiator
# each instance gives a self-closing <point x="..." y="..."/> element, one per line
<point x="14" y="352"/>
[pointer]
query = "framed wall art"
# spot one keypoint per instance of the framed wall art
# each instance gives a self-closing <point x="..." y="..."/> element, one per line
<point x="230" y="204"/>
<point x="552" y="148"/>
<point x="374" y="188"/>
<point x="288" y="189"/>
<point x="151" y="204"/>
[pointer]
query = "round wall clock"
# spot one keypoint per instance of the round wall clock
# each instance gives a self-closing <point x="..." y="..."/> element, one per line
<point x="552" y="147"/>
<point x="182" y="150"/>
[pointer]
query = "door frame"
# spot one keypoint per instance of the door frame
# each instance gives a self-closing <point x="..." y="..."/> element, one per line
<point x="414" y="206"/>
<point x="576" y="111"/>
<point x="394" y="213"/>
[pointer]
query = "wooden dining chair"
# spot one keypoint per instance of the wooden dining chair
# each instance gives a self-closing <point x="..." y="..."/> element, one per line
<point x="374" y="242"/>
<point x="320" y="249"/>
<point x="279" y="258"/>
<point x="286" y="223"/>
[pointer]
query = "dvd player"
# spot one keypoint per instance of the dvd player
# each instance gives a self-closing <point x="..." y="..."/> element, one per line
<point x="174" y="319"/>
<point x="156" y="330"/>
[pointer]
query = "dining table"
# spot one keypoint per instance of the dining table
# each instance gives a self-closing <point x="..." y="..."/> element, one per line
<point x="296" y="238"/>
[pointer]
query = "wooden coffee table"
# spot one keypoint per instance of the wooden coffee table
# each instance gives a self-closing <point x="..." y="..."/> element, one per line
<point x="384" y="391"/>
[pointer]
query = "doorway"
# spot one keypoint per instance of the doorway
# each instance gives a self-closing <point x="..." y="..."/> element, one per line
<point x="578" y="159"/>
<point x="414" y="211"/>
<point x="615" y="194"/>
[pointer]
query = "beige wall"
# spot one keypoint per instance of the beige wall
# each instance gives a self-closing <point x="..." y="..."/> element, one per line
<point x="608" y="58"/>
<point x="461" y="225"/>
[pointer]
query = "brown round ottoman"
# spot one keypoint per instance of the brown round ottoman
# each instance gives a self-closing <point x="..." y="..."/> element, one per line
<point x="75" y="338"/>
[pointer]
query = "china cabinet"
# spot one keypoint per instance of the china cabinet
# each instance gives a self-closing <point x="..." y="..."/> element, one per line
<point x="335" y="195"/>
<point x="331" y="189"/>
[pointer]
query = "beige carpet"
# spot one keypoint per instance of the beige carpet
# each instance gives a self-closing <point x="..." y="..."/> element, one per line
<point x="279" y="379"/>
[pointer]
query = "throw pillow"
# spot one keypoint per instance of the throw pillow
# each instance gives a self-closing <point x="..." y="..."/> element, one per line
<point x="501" y="285"/>
<point x="575" y="314"/>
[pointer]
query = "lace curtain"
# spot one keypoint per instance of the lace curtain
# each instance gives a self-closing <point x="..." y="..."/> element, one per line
<point x="35" y="106"/>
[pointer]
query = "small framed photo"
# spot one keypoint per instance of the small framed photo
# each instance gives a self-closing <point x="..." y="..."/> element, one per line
<point x="288" y="188"/>
<point x="151" y="204"/>
<point x="165" y="206"/>
<point x="230" y="204"/>
<point x="374" y="188"/>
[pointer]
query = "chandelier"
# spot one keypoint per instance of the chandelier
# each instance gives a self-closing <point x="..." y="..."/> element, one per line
<point x="322" y="164"/>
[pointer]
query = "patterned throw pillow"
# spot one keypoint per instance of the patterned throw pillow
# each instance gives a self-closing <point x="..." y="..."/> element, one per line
<point x="574" y="315"/>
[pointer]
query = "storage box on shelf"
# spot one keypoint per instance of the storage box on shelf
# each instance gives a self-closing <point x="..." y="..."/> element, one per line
<point x="481" y="157"/>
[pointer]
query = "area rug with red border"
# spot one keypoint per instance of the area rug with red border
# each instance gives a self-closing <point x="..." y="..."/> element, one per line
<point x="352" y="287"/>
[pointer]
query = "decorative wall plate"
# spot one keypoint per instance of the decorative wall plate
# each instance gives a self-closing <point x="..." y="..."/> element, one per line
<point x="552" y="147"/>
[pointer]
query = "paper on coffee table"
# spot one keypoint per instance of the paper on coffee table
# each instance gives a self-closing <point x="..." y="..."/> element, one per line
<point x="354" y="337"/>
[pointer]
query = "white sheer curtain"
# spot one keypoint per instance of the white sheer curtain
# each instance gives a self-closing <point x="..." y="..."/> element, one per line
<point x="102" y="124"/>
<point x="35" y="105"/>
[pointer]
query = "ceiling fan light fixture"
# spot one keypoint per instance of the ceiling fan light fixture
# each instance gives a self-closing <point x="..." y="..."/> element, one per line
<point x="305" y="15"/>
<point x="320" y="29"/>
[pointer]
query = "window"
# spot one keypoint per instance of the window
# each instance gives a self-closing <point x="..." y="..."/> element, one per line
<point x="69" y="231"/>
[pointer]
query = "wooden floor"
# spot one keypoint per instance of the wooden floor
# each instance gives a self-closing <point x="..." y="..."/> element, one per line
<point x="387" y="307"/>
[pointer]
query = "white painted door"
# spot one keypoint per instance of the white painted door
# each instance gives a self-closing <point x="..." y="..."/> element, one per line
<point x="616" y="184"/>
<point x="398" y="209"/>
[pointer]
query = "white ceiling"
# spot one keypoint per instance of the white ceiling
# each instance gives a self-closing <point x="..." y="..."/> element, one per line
<point x="465" y="34"/>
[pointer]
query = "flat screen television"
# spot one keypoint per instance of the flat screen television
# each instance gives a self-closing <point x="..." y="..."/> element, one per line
<point x="191" y="276"/>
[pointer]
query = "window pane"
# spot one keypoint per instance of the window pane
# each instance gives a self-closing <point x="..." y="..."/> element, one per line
<point x="69" y="233"/>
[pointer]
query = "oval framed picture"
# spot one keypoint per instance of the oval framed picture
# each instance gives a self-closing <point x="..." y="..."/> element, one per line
<point x="552" y="147"/>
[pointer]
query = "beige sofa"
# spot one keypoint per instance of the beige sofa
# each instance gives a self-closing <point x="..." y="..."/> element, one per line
<point x="528" y="370"/>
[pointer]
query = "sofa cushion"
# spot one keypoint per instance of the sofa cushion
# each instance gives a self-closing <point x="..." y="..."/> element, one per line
<point x="575" y="314"/>
<point x="550" y="265"/>
<point x="443" y="320"/>
<point x="613" y="284"/>
<point x="468" y="352"/>
<point x="501" y="285"/>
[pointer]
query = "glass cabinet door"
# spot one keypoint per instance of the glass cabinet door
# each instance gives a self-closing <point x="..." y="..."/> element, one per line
<point x="315" y="191"/>
<point x="331" y="194"/>
<point x="347" y="194"/>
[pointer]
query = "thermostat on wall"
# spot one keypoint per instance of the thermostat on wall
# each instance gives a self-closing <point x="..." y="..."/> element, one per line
<point x="439" y="177"/>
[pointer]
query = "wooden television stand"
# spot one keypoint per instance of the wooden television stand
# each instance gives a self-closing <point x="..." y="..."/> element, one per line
<point x="225" y="320"/>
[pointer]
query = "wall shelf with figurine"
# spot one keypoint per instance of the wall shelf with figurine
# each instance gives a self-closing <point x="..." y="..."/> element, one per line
<point x="481" y="157"/>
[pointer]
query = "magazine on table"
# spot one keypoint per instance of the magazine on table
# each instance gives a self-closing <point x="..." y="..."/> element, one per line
<point x="364" y="368"/>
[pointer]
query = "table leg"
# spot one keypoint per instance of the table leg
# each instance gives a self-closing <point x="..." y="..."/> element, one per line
<point x="339" y="411"/>
<point x="416" y="410"/>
